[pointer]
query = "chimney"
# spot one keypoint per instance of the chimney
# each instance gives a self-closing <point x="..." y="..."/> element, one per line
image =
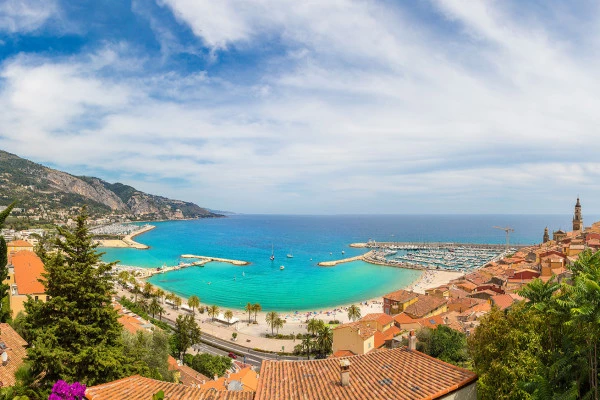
<point x="345" y="372"/>
<point x="216" y="377"/>
<point x="412" y="341"/>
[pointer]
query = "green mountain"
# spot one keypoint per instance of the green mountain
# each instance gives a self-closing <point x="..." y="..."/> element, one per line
<point x="47" y="193"/>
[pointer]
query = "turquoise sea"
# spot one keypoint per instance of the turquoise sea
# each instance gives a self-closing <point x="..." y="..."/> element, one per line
<point x="303" y="285"/>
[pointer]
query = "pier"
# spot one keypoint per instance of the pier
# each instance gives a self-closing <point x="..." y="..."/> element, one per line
<point x="225" y="260"/>
<point x="345" y="260"/>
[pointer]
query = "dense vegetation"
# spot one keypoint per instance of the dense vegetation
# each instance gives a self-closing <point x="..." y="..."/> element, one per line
<point x="75" y="335"/>
<point x="208" y="365"/>
<point x="546" y="348"/>
<point x="4" y="307"/>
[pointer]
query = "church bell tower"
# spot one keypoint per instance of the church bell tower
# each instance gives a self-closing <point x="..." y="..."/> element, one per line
<point x="577" y="219"/>
<point x="546" y="235"/>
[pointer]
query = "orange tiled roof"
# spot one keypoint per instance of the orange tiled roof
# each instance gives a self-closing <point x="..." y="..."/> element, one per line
<point x="381" y="318"/>
<point x="246" y="376"/>
<point x="363" y="331"/>
<point x="378" y="375"/>
<point x="139" y="388"/>
<point x="16" y="353"/>
<point x="382" y="337"/>
<point x="131" y="324"/>
<point x="402" y="318"/>
<point x="28" y="269"/>
<point x="342" y="353"/>
<point x="187" y="376"/>
<point x="401" y="295"/>
<point x="424" y="305"/>
<point x="19" y="243"/>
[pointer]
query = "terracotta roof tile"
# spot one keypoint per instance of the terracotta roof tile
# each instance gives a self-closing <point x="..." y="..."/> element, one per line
<point x="502" y="301"/>
<point x="15" y="351"/>
<point x="139" y="388"/>
<point x="378" y="375"/>
<point x="424" y="305"/>
<point x="363" y="331"/>
<point x="401" y="295"/>
<point x="28" y="269"/>
<point x="342" y="353"/>
<point x="19" y="243"/>
<point x="381" y="318"/>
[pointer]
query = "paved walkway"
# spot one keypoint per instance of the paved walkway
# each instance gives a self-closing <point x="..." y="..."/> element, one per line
<point x="222" y="332"/>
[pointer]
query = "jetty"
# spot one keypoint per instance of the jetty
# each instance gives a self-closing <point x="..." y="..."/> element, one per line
<point x="217" y="259"/>
<point x="345" y="260"/>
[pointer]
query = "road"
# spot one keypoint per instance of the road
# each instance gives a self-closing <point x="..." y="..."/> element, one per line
<point x="213" y="345"/>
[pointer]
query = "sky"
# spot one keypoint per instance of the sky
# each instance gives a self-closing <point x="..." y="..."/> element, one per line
<point x="312" y="107"/>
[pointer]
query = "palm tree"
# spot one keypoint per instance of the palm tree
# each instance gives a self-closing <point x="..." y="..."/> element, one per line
<point x="307" y="344"/>
<point x="213" y="311"/>
<point x="123" y="277"/>
<point x="249" y="307"/>
<point x="354" y="312"/>
<point x="194" y="301"/>
<point x="170" y="296"/>
<point x="160" y="312"/>
<point x="177" y="300"/>
<point x="539" y="292"/>
<point x="148" y="289"/>
<point x="314" y="325"/>
<point x="142" y="304"/>
<point x="160" y="294"/>
<point x="154" y="306"/>
<point x="256" y="308"/>
<point x="325" y="340"/>
<point x="271" y="319"/>
<point x="228" y="315"/>
<point x="135" y="289"/>
<point x="279" y="322"/>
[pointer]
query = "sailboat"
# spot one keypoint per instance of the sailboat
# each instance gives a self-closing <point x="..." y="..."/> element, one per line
<point x="290" y="255"/>
<point x="272" y="253"/>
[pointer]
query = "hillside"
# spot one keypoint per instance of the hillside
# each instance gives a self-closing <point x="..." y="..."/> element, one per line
<point x="44" y="193"/>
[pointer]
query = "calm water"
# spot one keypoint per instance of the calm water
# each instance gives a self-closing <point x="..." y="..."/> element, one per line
<point x="302" y="284"/>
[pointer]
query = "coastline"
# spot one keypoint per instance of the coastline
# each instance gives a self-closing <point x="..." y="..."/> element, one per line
<point x="127" y="241"/>
<point x="428" y="279"/>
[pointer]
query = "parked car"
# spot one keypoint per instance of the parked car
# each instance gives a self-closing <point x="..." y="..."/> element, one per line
<point x="232" y="355"/>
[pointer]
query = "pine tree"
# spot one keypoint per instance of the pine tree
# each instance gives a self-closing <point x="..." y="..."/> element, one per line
<point x="76" y="335"/>
<point x="4" y="308"/>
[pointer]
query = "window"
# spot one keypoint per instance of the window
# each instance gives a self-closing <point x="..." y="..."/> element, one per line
<point x="36" y="298"/>
<point x="47" y="298"/>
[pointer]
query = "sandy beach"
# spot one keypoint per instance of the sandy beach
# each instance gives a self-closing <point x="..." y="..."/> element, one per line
<point x="295" y="319"/>
<point x="127" y="241"/>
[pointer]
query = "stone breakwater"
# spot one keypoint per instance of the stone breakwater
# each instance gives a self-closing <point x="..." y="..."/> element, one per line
<point x="345" y="260"/>
<point x="225" y="260"/>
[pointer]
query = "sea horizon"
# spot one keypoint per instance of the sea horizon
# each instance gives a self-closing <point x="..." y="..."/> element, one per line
<point x="309" y="239"/>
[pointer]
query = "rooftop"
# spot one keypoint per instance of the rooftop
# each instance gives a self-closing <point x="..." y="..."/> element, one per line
<point x="386" y="374"/>
<point x="28" y="269"/>
<point x="15" y="347"/>
<point x="381" y="318"/>
<point x="19" y="243"/>
<point x="424" y="305"/>
<point x="139" y="388"/>
<point x="401" y="295"/>
<point x="363" y="331"/>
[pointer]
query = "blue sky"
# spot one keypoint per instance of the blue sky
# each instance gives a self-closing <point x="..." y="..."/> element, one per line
<point x="281" y="106"/>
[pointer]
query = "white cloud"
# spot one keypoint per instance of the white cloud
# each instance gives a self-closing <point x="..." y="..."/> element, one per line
<point x="366" y="110"/>
<point x="25" y="15"/>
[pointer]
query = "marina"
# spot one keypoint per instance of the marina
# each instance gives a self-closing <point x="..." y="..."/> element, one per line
<point x="436" y="256"/>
